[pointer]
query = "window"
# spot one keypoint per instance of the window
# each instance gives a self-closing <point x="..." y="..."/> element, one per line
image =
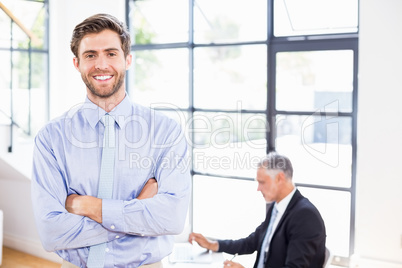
<point x="246" y="78"/>
<point x="24" y="67"/>
<point x="314" y="17"/>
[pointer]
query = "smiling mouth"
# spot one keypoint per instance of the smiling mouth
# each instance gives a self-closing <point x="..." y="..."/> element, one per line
<point x="102" y="77"/>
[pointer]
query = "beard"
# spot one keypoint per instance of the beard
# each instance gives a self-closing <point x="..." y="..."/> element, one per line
<point x="106" y="93"/>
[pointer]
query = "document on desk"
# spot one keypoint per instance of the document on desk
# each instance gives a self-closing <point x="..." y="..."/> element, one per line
<point x="186" y="252"/>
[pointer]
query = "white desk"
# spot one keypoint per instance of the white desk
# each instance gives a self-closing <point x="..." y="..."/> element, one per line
<point x="217" y="261"/>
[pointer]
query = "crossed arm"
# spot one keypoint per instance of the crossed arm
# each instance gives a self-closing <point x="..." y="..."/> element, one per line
<point x="91" y="207"/>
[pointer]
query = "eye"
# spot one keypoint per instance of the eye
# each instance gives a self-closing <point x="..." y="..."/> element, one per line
<point x="112" y="54"/>
<point x="90" y="56"/>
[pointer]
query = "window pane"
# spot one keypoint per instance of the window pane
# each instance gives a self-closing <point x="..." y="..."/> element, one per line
<point x="20" y="69"/>
<point x="5" y="71"/>
<point x="312" y="17"/>
<point x="230" y="77"/>
<point x="319" y="147"/>
<point x="227" y="21"/>
<point x="228" y="144"/>
<point x="5" y="29"/>
<point x="232" y="210"/>
<point x="5" y="91"/>
<point x="153" y="21"/>
<point x="32" y="16"/>
<point x="334" y="207"/>
<point x="307" y="81"/>
<point x="160" y="76"/>
<point x="20" y="88"/>
<point x="38" y="91"/>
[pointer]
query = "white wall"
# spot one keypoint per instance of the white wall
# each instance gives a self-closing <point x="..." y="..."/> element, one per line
<point x="379" y="166"/>
<point x="66" y="86"/>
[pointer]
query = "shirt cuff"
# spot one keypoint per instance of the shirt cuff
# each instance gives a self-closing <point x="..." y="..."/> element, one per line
<point x="112" y="215"/>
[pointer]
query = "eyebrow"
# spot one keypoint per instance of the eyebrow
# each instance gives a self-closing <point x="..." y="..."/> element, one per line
<point x="94" y="51"/>
<point x="111" y="49"/>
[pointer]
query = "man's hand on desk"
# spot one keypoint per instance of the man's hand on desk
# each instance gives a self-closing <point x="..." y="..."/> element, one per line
<point x="91" y="207"/>
<point x="211" y="245"/>
<point x="231" y="264"/>
<point x="203" y="242"/>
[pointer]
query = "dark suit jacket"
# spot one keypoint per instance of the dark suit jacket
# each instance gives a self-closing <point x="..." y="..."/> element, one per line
<point x="298" y="240"/>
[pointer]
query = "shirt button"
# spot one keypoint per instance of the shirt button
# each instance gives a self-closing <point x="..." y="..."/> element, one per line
<point x="112" y="227"/>
<point x="107" y="249"/>
<point x="117" y="236"/>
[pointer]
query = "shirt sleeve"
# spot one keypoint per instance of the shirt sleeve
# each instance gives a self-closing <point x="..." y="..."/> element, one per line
<point x="57" y="228"/>
<point x="165" y="213"/>
<point x="245" y="245"/>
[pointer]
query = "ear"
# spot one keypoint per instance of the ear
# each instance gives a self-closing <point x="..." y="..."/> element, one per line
<point x="280" y="177"/>
<point x="76" y="63"/>
<point x="129" y="60"/>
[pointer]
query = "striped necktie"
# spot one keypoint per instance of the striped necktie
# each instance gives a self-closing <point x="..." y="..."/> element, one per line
<point x="265" y="243"/>
<point x="96" y="257"/>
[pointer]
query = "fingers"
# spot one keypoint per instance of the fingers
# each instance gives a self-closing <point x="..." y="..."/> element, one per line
<point x="150" y="189"/>
<point x="203" y="242"/>
<point x="69" y="202"/>
<point x="232" y="264"/>
<point x="191" y="238"/>
<point x="227" y="263"/>
<point x="151" y="180"/>
<point x="195" y="237"/>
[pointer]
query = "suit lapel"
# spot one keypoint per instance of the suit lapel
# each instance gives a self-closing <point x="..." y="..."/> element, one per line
<point x="295" y="198"/>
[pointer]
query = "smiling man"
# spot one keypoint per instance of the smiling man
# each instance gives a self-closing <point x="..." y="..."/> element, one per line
<point x="92" y="206"/>
<point x="102" y="64"/>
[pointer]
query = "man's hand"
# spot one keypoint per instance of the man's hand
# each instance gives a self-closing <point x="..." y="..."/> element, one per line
<point x="85" y="205"/>
<point x="232" y="264"/>
<point x="203" y="242"/>
<point x="150" y="189"/>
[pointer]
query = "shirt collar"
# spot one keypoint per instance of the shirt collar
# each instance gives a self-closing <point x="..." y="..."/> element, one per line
<point x="283" y="204"/>
<point x="94" y="113"/>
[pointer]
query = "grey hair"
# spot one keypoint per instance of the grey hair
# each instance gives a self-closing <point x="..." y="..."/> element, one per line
<point x="275" y="161"/>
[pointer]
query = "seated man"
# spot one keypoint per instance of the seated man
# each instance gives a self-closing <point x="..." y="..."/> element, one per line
<point x="293" y="233"/>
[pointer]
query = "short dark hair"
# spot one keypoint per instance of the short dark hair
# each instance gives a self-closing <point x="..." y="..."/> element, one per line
<point x="273" y="160"/>
<point x="96" y="24"/>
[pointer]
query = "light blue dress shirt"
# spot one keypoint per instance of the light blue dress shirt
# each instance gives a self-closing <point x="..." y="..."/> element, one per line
<point x="67" y="159"/>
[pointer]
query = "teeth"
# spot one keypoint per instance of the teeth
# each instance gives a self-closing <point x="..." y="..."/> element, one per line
<point x="103" y="77"/>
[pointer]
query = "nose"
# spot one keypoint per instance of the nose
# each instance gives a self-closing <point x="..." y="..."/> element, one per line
<point x="101" y="63"/>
